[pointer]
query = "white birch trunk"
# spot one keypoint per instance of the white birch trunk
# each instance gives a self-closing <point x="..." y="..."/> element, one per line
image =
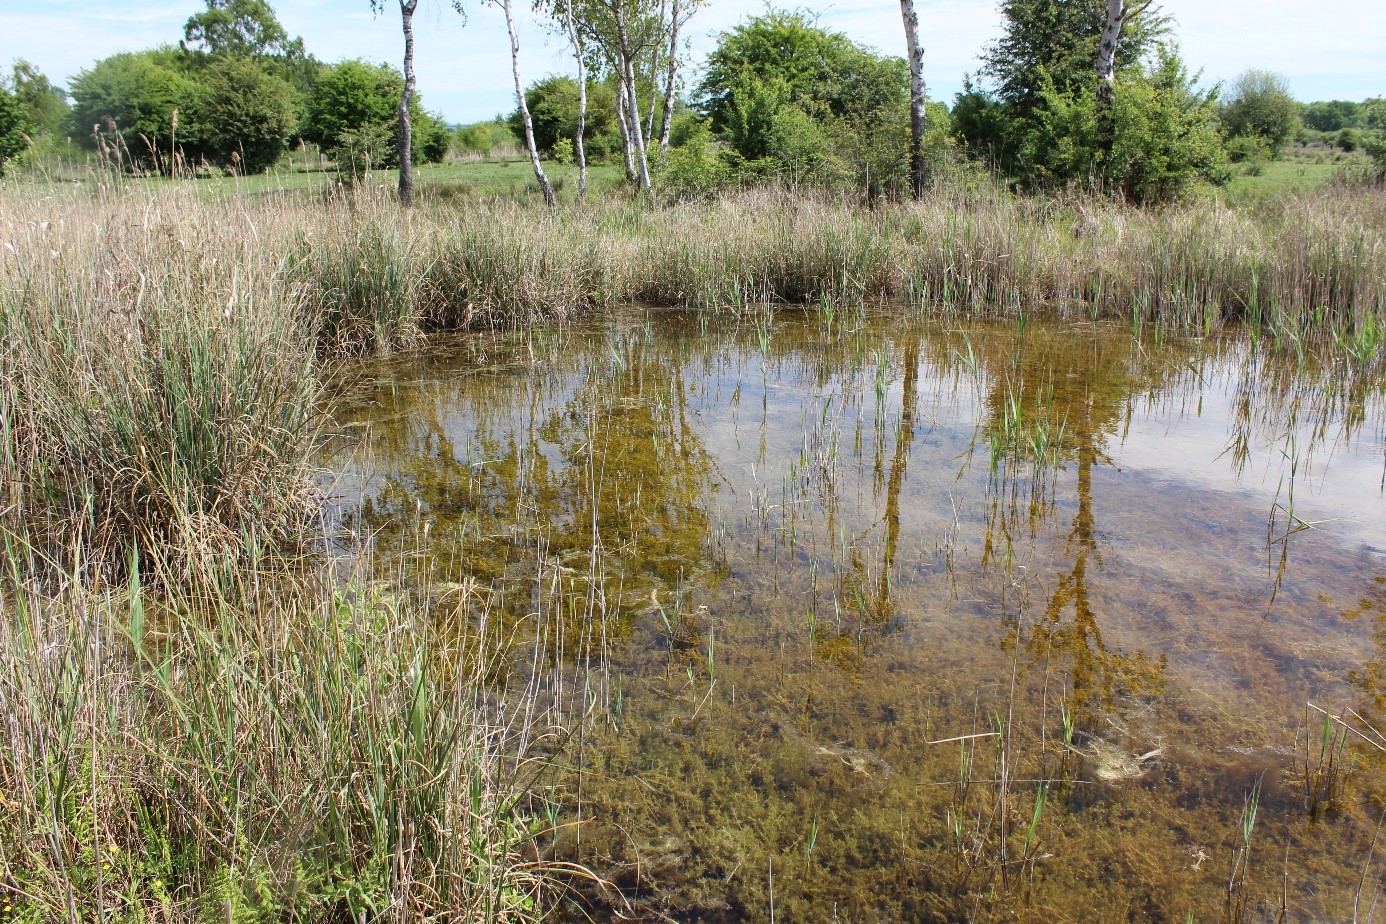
<point x="654" y="76"/>
<point x="549" y="199"/>
<point x="579" y="150"/>
<point x="406" y="127"/>
<point x="670" y="78"/>
<point x="623" y="123"/>
<point x="642" y="161"/>
<point x="917" y="97"/>
<point x="1106" y="77"/>
<point x="625" y="57"/>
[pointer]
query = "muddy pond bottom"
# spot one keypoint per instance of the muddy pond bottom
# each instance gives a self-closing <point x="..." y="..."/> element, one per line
<point x="911" y="620"/>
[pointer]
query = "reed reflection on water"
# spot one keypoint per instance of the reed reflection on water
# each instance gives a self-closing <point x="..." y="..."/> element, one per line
<point x="780" y="560"/>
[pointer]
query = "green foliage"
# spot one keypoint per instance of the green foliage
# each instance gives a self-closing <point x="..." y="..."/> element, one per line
<point x="485" y="137"/>
<point x="1165" y="138"/>
<point x="821" y="72"/>
<point x="802" y="103"/>
<point x="1374" y="143"/>
<point x="1348" y="139"/>
<point x="1260" y="106"/>
<point x="45" y="106"/>
<point x="696" y="168"/>
<point x="131" y="96"/>
<point x="13" y="125"/>
<point x="1248" y="149"/>
<point x="349" y="95"/>
<point x="1052" y="44"/>
<point x="242" y="116"/>
<point x="1372" y="114"/>
<point x="432" y="140"/>
<point x="553" y="110"/>
<point x="360" y="150"/>
<point x="1331" y="116"/>
<point x="355" y="103"/>
<point x="1046" y="52"/>
<point x="239" y="27"/>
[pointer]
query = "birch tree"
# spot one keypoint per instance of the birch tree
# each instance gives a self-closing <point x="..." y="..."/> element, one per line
<point x="406" y="128"/>
<point x="917" y="97"/>
<point x="638" y="42"/>
<point x="1118" y="13"/>
<point x="680" y="11"/>
<point x="549" y="198"/>
<point x="580" y="56"/>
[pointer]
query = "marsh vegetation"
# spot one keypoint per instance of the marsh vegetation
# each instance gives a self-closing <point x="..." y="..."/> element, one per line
<point x="969" y="558"/>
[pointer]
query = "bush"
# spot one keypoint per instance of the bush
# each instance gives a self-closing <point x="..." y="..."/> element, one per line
<point x="357" y="102"/>
<point x="1261" y="107"/>
<point x="1163" y="138"/>
<point x="12" y="128"/>
<point x="697" y="166"/>
<point x="242" y="115"/>
<point x="128" y="100"/>
<point x="553" y="110"/>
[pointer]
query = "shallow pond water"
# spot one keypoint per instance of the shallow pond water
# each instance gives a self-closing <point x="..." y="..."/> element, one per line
<point x="892" y="620"/>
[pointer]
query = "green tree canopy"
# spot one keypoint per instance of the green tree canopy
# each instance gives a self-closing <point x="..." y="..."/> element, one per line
<point x="132" y="95"/>
<point x="242" y="115"/>
<point x="553" y="108"/>
<point x="817" y="71"/>
<point x="1165" y="136"/>
<point x="13" y="126"/>
<point x="1046" y="47"/>
<point x="45" y="105"/>
<point x="1331" y="115"/>
<point x="356" y="99"/>
<point x="239" y="27"/>
<point x="1052" y="45"/>
<point x="1260" y="107"/>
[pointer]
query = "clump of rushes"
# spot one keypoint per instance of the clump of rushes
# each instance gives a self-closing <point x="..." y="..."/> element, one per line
<point x="295" y="749"/>
<point x="157" y="389"/>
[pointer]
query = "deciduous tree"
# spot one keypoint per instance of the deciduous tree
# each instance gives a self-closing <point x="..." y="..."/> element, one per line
<point x="1260" y="106"/>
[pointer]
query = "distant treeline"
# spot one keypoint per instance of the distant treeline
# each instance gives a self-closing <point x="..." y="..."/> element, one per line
<point x="780" y="98"/>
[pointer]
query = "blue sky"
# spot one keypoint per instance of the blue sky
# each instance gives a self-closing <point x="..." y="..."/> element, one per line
<point x="1327" y="49"/>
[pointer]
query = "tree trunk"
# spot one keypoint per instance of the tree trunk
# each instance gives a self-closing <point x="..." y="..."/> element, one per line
<point x="917" y="95"/>
<point x="549" y="198"/>
<point x="623" y="123"/>
<point x="637" y="138"/>
<point x="626" y="61"/>
<point x="654" y="78"/>
<point x="406" y="128"/>
<point x="579" y="150"/>
<point x="671" y="78"/>
<point x="1106" y="76"/>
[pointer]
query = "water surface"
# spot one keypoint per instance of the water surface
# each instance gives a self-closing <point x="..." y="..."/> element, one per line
<point x="885" y="620"/>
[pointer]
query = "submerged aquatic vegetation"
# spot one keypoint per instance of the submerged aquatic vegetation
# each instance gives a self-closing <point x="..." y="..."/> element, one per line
<point x="865" y="593"/>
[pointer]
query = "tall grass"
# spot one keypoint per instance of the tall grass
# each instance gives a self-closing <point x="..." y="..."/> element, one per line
<point x="156" y="387"/>
<point x="302" y="749"/>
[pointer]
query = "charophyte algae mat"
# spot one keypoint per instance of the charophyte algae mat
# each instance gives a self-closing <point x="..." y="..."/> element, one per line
<point x="869" y="619"/>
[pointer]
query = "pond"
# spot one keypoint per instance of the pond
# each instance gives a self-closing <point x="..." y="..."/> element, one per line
<point x="857" y="618"/>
